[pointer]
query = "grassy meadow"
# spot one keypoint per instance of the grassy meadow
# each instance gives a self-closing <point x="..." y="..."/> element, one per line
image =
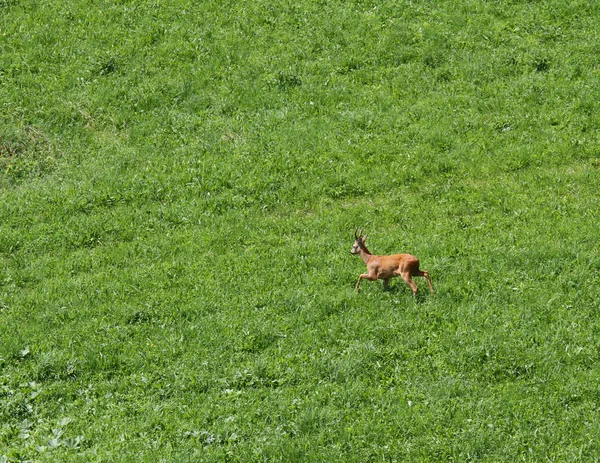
<point x="179" y="186"/>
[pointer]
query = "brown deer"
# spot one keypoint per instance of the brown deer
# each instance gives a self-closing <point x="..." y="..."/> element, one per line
<point x="386" y="267"/>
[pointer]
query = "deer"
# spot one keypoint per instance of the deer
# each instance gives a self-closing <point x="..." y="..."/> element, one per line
<point x="386" y="267"/>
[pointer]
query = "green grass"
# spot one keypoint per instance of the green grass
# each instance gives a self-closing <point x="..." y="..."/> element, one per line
<point x="179" y="185"/>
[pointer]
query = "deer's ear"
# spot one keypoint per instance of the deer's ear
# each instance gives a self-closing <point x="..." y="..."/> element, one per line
<point x="365" y="238"/>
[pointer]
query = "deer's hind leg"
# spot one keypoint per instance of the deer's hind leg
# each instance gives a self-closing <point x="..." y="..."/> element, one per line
<point x="423" y="273"/>
<point x="409" y="281"/>
<point x="426" y="275"/>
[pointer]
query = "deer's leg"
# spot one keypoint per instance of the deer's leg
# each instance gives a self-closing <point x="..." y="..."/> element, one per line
<point x="358" y="283"/>
<point x="426" y="275"/>
<point x="386" y="281"/>
<point x="368" y="276"/>
<point x="407" y="278"/>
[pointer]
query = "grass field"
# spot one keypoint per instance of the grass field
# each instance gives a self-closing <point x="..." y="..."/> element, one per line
<point x="179" y="186"/>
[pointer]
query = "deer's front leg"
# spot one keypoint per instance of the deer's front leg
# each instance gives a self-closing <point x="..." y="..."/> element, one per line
<point x="368" y="276"/>
<point x="358" y="282"/>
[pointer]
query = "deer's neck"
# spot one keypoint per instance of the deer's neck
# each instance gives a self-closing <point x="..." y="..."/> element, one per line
<point x="365" y="254"/>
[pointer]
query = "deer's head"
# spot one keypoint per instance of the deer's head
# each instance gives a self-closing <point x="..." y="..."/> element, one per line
<point x="359" y="241"/>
